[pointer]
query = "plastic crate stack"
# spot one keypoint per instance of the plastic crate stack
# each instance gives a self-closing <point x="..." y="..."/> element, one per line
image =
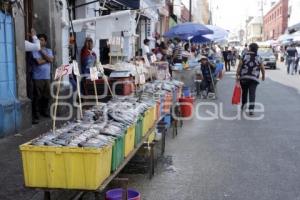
<point x="82" y="155"/>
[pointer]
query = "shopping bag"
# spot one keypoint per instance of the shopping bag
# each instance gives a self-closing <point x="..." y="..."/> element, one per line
<point x="237" y="92"/>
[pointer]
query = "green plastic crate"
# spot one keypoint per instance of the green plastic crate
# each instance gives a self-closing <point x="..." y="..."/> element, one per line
<point x="138" y="131"/>
<point x="118" y="153"/>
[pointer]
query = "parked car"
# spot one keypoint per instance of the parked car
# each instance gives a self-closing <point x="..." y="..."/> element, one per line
<point x="268" y="56"/>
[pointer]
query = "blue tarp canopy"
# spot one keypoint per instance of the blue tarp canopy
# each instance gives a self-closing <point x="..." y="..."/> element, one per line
<point x="219" y="33"/>
<point x="187" y="30"/>
<point x="200" y="39"/>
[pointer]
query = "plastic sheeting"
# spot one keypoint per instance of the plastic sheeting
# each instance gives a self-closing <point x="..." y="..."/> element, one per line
<point x="105" y="26"/>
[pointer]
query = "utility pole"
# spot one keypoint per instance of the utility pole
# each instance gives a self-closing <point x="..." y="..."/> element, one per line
<point x="262" y="15"/>
<point x="190" y="11"/>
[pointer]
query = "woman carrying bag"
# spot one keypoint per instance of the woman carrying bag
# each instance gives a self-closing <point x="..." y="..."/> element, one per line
<point x="248" y="73"/>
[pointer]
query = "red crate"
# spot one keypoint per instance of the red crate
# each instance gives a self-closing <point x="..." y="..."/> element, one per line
<point x="123" y="86"/>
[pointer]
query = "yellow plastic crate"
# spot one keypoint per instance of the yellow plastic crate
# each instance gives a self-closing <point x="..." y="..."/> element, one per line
<point x="129" y="140"/>
<point x="153" y="115"/>
<point x="149" y="119"/>
<point x="151" y="137"/>
<point x="146" y="122"/>
<point x="65" y="167"/>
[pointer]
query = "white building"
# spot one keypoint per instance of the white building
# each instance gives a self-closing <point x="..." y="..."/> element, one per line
<point x="254" y="30"/>
<point x="294" y="15"/>
<point x="201" y="11"/>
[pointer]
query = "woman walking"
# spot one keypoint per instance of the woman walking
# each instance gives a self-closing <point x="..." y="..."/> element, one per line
<point x="248" y="73"/>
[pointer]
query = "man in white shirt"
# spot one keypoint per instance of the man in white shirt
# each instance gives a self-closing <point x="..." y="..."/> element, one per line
<point x="146" y="48"/>
<point x="34" y="45"/>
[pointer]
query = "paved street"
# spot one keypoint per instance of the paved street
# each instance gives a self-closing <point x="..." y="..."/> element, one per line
<point x="212" y="160"/>
<point x="241" y="159"/>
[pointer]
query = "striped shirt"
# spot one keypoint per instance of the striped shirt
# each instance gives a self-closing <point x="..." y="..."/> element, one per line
<point x="178" y="52"/>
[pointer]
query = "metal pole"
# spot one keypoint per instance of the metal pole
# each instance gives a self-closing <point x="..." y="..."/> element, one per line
<point x="262" y="16"/>
<point x="190" y="10"/>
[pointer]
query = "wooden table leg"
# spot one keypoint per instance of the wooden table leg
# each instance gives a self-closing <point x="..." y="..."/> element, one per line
<point x="47" y="195"/>
<point x="97" y="196"/>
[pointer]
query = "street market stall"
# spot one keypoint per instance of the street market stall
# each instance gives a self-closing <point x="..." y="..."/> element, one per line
<point x="87" y="154"/>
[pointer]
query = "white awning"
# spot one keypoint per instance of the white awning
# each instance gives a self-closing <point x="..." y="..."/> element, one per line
<point x="163" y="11"/>
<point x="105" y="26"/>
<point x="149" y="10"/>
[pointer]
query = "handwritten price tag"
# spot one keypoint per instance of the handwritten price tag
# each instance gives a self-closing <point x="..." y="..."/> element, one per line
<point x="100" y="67"/>
<point x="153" y="58"/>
<point x="75" y="68"/>
<point x="146" y="61"/>
<point x="94" y="73"/>
<point x="63" y="71"/>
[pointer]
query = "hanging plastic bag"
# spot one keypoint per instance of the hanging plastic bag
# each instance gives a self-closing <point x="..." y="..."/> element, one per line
<point x="237" y="92"/>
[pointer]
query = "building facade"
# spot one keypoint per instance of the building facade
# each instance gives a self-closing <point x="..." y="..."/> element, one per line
<point x="254" y="30"/>
<point x="53" y="19"/>
<point x="185" y="14"/>
<point x="294" y="16"/>
<point x="276" y="20"/>
<point x="201" y="13"/>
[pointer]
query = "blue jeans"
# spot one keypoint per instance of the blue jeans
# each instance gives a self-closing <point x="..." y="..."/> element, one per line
<point x="291" y="64"/>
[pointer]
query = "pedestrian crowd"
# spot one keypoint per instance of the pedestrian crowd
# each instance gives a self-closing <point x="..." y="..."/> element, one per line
<point x="213" y="61"/>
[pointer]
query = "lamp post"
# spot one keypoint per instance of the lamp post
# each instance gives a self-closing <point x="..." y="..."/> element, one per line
<point x="190" y="11"/>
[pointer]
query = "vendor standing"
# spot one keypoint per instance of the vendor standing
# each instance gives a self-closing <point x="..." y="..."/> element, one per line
<point x="186" y="55"/>
<point x="227" y="58"/>
<point x="177" y="53"/>
<point x="146" y="47"/>
<point x="208" y="70"/>
<point x="41" y="75"/>
<point x="88" y="57"/>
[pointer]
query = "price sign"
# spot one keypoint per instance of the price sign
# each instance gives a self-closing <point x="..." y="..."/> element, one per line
<point x="146" y="60"/>
<point x="63" y="71"/>
<point x="153" y="58"/>
<point x="100" y="67"/>
<point x="94" y="73"/>
<point x="142" y="79"/>
<point x="75" y="68"/>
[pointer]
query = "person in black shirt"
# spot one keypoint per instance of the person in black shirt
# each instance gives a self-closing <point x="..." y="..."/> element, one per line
<point x="208" y="70"/>
<point x="227" y="57"/>
<point x="248" y="74"/>
<point x="292" y="55"/>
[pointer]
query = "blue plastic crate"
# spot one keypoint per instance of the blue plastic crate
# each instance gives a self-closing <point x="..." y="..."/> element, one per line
<point x="3" y="72"/>
<point x="7" y="118"/>
<point x="186" y="91"/>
